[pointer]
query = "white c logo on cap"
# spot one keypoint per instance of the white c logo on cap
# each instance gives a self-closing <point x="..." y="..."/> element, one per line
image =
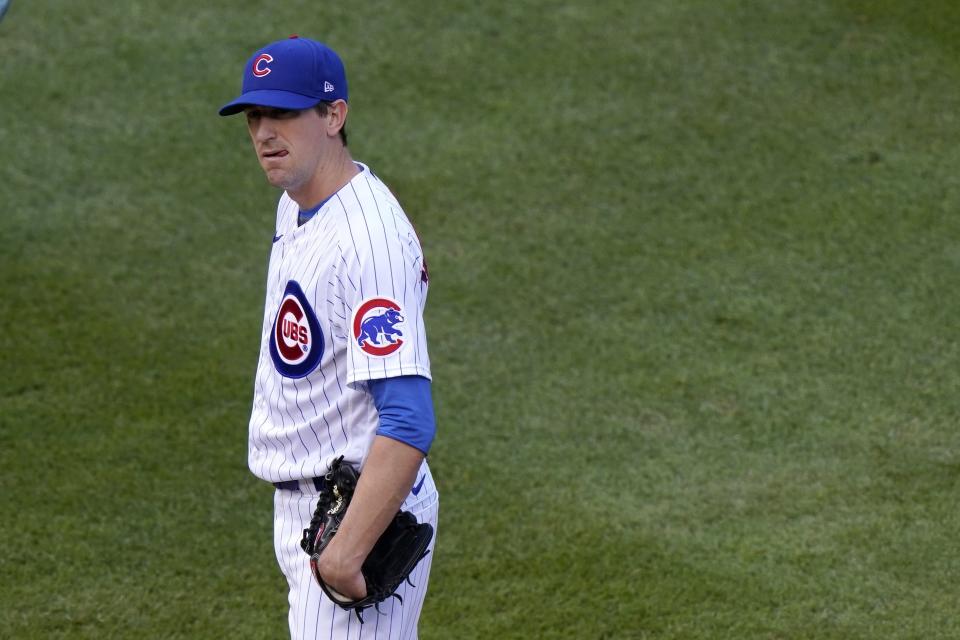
<point x="258" y="69"/>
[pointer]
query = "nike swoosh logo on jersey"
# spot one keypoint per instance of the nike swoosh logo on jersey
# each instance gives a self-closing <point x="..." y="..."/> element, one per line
<point x="419" y="485"/>
<point x="275" y="238"/>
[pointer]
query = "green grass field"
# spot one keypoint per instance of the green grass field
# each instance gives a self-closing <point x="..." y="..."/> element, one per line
<point x="692" y="317"/>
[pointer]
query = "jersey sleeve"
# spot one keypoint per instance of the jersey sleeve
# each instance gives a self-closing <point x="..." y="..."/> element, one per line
<point x="383" y="284"/>
<point x="405" y="409"/>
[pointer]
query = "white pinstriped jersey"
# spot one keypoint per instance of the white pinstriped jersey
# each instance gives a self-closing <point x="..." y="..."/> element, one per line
<point x="344" y="304"/>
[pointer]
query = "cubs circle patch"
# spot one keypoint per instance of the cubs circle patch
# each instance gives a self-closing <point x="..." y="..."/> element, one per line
<point x="375" y="326"/>
<point x="296" y="341"/>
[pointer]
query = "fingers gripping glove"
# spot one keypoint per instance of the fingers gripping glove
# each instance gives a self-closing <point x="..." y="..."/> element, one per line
<point x="398" y="550"/>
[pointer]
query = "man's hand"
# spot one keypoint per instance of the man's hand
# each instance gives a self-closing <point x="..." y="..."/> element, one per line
<point x="341" y="575"/>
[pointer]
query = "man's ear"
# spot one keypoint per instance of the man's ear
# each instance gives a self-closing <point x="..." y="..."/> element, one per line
<point x="337" y="110"/>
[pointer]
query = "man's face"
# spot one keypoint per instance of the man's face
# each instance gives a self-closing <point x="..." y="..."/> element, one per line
<point x="289" y="144"/>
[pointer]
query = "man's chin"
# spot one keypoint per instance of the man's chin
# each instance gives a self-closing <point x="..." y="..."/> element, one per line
<point x="278" y="179"/>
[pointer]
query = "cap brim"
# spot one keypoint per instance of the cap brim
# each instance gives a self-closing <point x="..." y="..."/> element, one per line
<point x="269" y="98"/>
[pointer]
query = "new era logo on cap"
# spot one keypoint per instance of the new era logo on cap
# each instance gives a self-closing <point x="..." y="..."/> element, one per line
<point x="294" y="73"/>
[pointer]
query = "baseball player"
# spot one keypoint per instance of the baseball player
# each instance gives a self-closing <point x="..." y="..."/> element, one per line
<point x="343" y="367"/>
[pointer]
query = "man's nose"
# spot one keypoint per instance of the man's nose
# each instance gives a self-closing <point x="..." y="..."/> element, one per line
<point x="264" y="130"/>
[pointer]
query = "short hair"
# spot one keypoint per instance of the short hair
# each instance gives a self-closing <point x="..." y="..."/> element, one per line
<point x="323" y="108"/>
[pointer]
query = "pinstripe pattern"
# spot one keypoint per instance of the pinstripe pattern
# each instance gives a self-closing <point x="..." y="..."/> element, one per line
<point x="359" y="245"/>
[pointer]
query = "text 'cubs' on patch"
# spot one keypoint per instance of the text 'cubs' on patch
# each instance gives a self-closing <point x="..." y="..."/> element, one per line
<point x="375" y="326"/>
<point x="296" y="341"/>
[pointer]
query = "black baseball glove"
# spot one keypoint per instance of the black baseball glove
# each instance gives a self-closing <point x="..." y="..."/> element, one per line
<point x="403" y="544"/>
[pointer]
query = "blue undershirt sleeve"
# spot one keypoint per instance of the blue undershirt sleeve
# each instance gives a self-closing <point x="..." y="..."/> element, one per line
<point x="405" y="405"/>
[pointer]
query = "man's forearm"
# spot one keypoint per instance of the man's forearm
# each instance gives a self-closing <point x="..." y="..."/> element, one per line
<point x="388" y="474"/>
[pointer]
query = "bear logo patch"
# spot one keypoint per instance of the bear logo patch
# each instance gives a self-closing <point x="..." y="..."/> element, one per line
<point x="375" y="326"/>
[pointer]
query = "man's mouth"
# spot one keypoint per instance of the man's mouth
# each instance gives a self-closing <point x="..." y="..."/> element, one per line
<point x="280" y="153"/>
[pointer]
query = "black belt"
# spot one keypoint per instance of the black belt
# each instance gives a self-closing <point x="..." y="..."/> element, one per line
<point x="294" y="485"/>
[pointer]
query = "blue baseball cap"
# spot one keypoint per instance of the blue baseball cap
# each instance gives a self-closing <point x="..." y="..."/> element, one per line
<point x="295" y="73"/>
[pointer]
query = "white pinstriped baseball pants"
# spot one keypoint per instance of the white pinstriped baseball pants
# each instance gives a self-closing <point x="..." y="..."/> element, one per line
<point x="312" y="615"/>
